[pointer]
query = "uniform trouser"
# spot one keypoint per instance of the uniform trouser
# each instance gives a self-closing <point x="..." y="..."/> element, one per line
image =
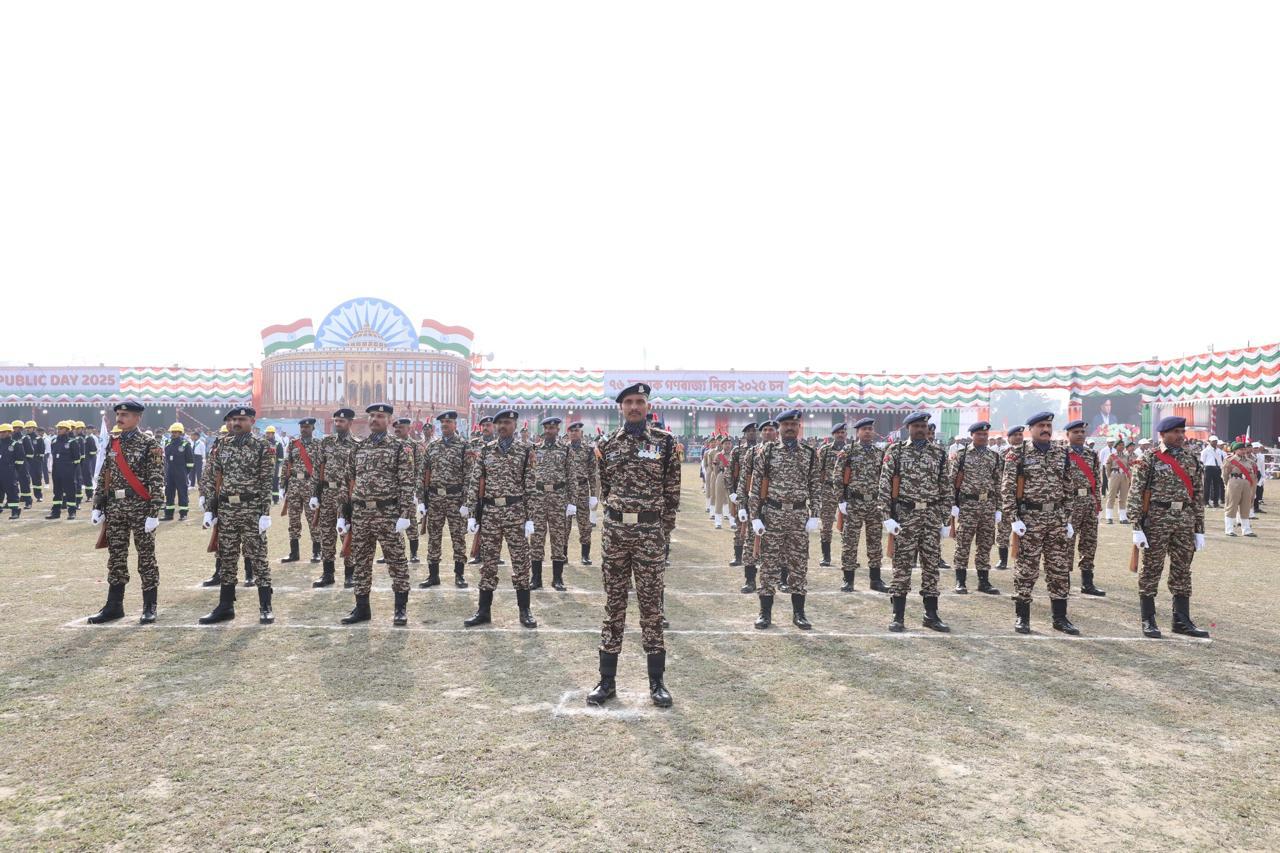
<point x="1084" y="544"/>
<point x="64" y="486"/>
<point x="370" y="528"/>
<point x="9" y="490"/>
<point x="1213" y="488"/>
<point x="237" y="534"/>
<point x="548" y="521"/>
<point x="86" y="474"/>
<point x="920" y="537"/>
<point x="24" y="481"/>
<point x="1238" y="497"/>
<point x="1003" y="530"/>
<point x="976" y="527"/>
<point x="742" y="535"/>
<point x="1046" y="539"/>
<point x="1170" y="532"/>
<point x="583" y="519"/>
<point x="633" y="553"/>
<point x="176" y="482"/>
<point x="1118" y="491"/>
<point x="442" y="510"/>
<point x="496" y="525"/>
<point x="828" y="505"/>
<point x="124" y="518"/>
<point x="275" y="482"/>
<point x="862" y="515"/>
<point x="328" y="519"/>
<point x="784" y="544"/>
<point x="296" y="498"/>
<point x="193" y="474"/>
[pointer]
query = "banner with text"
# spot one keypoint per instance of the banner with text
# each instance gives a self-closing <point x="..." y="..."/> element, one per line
<point x="58" y="381"/>
<point x="670" y="385"/>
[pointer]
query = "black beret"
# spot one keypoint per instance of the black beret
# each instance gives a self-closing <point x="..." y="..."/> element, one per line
<point x="487" y="419"/>
<point x="1038" y="417"/>
<point x="1014" y="430"/>
<point x="447" y="416"/>
<point x="790" y="415"/>
<point x="384" y="408"/>
<point x="641" y="388"/>
<point x="751" y="426"/>
<point x="345" y="413"/>
<point x="507" y="413"/>
<point x="307" y="422"/>
<point x="575" y="425"/>
<point x="402" y="421"/>
<point x="1076" y="424"/>
<point x="979" y="426"/>
<point x="551" y="421"/>
<point x="859" y="424"/>
<point x="242" y="412"/>
<point x="840" y="427"/>
<point x="773" y="424"/>
<point x="1171" y="422"/>
<point x="128" y="406"/>
<point x="915" y="417"/>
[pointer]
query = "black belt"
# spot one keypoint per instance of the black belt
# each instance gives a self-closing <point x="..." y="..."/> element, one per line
<point x="908" y="503"/>
<point x="375" y="504"/>
<point x="980" y="496"/>
<point x="1174" y="505"/>
<point x="1236" y="477"/>
<point x="1048" y="506"/>
<point x="510" y="500"/>
<point x="242" y="498"/>
<point x="647" y="517"/>
<point x="444" y="490"/>
<point x="786" y="504"/>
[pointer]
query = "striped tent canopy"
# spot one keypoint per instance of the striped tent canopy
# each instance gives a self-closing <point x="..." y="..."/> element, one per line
<point x="187" y="384"/>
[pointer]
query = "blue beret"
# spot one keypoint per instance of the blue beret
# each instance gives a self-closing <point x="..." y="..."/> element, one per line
<point x="401" y="422"/>
<point x="487" y="419"/>
<point x="345" y="413"/>
<point x="551" y="421"/>
<point x="450" y="415"/>
<point x="128" y="406"/>
<point x="1171" y="422"/>
<point x="1014" y="430"/>
<point x="575" y="425"/>
<point x="507" y="413"/>
<point x="979" y="426"/>
<point x="242" y="412"/>
<point x="750" y="426"/>
<point x="1076" y="424"/>
<point x="916" y="417"/>
<point x="641" y="388"/>
<point x="307" y="422"/>
<point x="1038" y="417"/>
<point x="385" y="408"/>
<point x="859" y="424"/>
<point x="773" y="424"/>
<point x="840" y="427"/>
<point x="792" y="415"/>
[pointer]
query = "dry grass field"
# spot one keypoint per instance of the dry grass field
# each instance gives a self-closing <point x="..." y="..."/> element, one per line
<point x="306" y="734"/>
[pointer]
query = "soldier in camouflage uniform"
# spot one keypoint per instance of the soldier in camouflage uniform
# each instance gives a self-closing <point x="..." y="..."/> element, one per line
<point x="1041" y="522"/>
<point x="475" y="444"/>
<point x="128" y="497"/>
<point x="856" y="478"/>
<point x="1003" y="524"/>
<point x="829" y="497"/>
<point x="300" y="478"/>
<point x="976" y="473"/>
<point x="738" y="492"/>
<point x="1173" y="524"/>
<point x="333" y="476"/>
<point x="913" y="517"/>
<point x="748" y="510"/>
<point x="586" y="473"/>
<point x="554" y="500"/>
<point x="240" y="504"/>
<point x="445" y="463"/>
<point x="785" y="490"/>
<point x="1084" y="503"/>
<point x="402" y="427"/>
<point x="497" y="509"/>
<point x="640" y="487"/>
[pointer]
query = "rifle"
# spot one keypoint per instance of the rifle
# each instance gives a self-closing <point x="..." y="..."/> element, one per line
<point x="426" y="497"/>
<point x="1142" y="521"/>
<point x="1014" y="538"/>
<point x="845" y="474"/>
<point x="212" y="504"/>
<point x="892" y="546"/>
<point x="475" y="543"/>
<point x="314" y="521"/>
<point x="764" y="496"/>
<point x="955" y="499"/>
<point x="349" y="514"/>
<point x="106" y="490"/>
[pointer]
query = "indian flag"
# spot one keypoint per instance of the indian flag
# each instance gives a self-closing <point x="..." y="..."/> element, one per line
<point x="295" y="335"/>
<point x="441" y="337"/>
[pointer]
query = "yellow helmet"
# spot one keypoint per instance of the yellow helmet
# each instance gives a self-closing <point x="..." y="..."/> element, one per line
<point x="5" y="426"/>
<point x="18" y="425"/>
<point x="31" y="424"/>
<point x="115" y="430"/>
<point x="177" y="427"/>
<point x="270" y="429"/>
<point x="223" y="430"/>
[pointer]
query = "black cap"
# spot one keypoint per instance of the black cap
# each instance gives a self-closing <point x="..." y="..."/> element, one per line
<point x="552" y="421"/>
<point x="915" y="417"/>
<point x="1038" y="417"/>
<point x="789" y="415"/>
<point x="345" y="413"/>
<point x="128" y="406"/>
<point x="1014" y="430"/>
<point x="487" y="419"/>
<point x="242" y="412"/>
<point x="1076" y="424"/>
<point x="402" y="422"/>
<point x="641" y="388"/>
<point x="507" y="413"/>
<point x="307" y="422"/>
<point x="385" y="408"/>
<point x="860" y="423"/>
<point x="1171" y="422"/>
<point x="979" y="426"/>
<point x="840" y="427"/>
<point x="750" y="427"/>
<point x="447" y="416"/>
<point x="575" y="425"/>
<point x="773" y="424"/>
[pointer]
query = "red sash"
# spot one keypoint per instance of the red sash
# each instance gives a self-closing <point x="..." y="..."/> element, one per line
<point x="1177" y="469"/>
<point x="1088" y="473"/>
<point x="306" y="457"/>
<point x="1248" y="475"/>
<point x="1123" y="467"/>
<point x="131" y="478"/>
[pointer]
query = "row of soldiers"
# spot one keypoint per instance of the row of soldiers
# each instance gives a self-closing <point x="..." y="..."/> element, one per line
<point x="28" y="462"/>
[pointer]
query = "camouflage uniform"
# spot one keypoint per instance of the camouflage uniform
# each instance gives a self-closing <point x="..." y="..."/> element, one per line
<point x="640" y="489"/>
<point x="126" y="512"/>
<point x="333" y="475"/>
<point x="739" y="485"/>
<point x="419" y="496"/>
<point x="554" y="488"/>
<point x="1043" y="509"/>
<point x="247" y="465"/>
<point x="828" y="495"/>
<point x="445" y="464"/>
<point x="585" y="471"/>
<point x="300" y="477"/>
<point x="382" y="493"/>
<point x="862" y="462"/>
<point x="794" y="487"/>
<point x="922" y="475"/>
<point x="508" y="484"/>
<point x="1171" y="522"/>
<point x="1085" y="503"/>
<point x="980" y="470"/>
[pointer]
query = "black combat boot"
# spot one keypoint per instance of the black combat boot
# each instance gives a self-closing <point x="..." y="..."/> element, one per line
<point x="1149" y="626"/>
<point x="71" y="513"/>
<point x="459" y="574"/>
<point x="1086" y="584"/>
<point x="315" y="551"/>
<point x="1060" y="620"/>
<point x="15" y="512"/>
<point x="326" y="578"/>
<point x="943" y="564"/>
<point x="113" y="609"/>
<point x="293" y="552"/>
<point x="658" y="690"/>
<point x="433" y="575"/>
<point x="826" y="554"/>
<point x="1182" y="623"/>
<point x="359" y="613"/>
<point x="557" y="575"/>
<point x="877" y="585"/>
<point x="215" y="579"/>
<point x="526" y="615"/>
<point x="265" y="616"/>
<point x="961" y="575"/>
<point x="1023" y="623"/>
<point x="899" y="613"/>
<point x="749" y="574"/>
<point x="182" y="515"/>
<point x="168" y="515"/>
<point x="586" y="555"/>
<point x="737" y="556"/>
<point x="931" y="619"/>
<point x="607" y="688"/>
<point x="536" y="569"/>
<point x="248" y="572"/>
<point x="148" y="606"/>
<point x="782" y="581"/>
<point x="54" y="512"/>
<point x="765" y="619"/>
<point x="984" y="582"/>
<point x="226" y="608"/>
<point x="347" y="574"/>
<point x="797" y="612"/>
<point x="1004" y="557"/>
<point x="848" y="581"/>
<point x="401" y="616"/>
<point x="481" y="616"/>
<point x="413" y="551"/>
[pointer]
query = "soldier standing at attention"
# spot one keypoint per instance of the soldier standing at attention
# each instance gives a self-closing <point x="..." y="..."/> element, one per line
<point x="66" y="472"/>
<point x="299" y="484"/>
<point x="402" y="428"/>
<point x="1084" y="503"/>
<point x="10" y="451"/>
<point x="1003" y="525"/>
<point x="1172" y="478"/>
<point x="88" y="458"/>
<point x="333" y="477"/>
<point x="128" y="497"/>
<point x="444" y="482"/>
<point x="784" y="494"/>
<point x="475" y="444"/>
<point x="381" y="507"/>
<point x="206" y="494"/>
<point x="554" y="501"/>
<point x="747" y="508"/>
<point x="586" y="474"/>
<point x="178" y="462"/>
<point x="25" y="464"/>
<point x="913" y="485"/>
<point x="1238" y="473"/>
<point x="277" y="456"/>
<point x="501" y="481"/>
<point x="829" y="497"/>
<point x="240" y="505"/>
<point x="1118" y="480"/>
<point x="738" y="502"/>
<point x="856" y="479"/>
<point x="640" y="487"/>
<point x="975" y="478"/>
<point x="1037" y="493"/>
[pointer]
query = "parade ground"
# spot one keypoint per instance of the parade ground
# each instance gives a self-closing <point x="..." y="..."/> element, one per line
<point x="306" y="734"/>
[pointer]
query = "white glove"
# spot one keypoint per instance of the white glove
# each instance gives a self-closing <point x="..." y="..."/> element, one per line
<point x="528" y="529"/>
<point x="955" y="512"/>
<point x="1071" y="531"/>
<point x="843" y="506"/>
<point x="314" y="503"/>
<point x="999" y="515"/>
<point x="945" y="531"/>
<point x="742" y="515"/>
<point x="422" y="508"/>
<point x="570" y="510"/>
<point x="402" y="524"/>
<point x="591" y="517"/>
<point x="150" y="525"/>
<point x="593" y="502"/>
<point x="1140" y="539"/>
<point x="733" y="497"/>
<point x="342" y="526"/>
<point x="464" y="510"/>
<point x="758" y="526"/>
<point x="1019" y="527"/>
<point x="1199" y="541"/>
<point x="1099" y="515"/>
<point x="201" y="502"/>
<point x="472" y="525"/>
<point x="96" y="516"/>
<point x="812" y="525"/>
<point x="893" y="527"/>
<point x="264" y="523"/>
<point x="209" y="520"/>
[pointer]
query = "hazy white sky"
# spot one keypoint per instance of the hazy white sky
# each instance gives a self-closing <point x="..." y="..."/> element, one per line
<point x="841" y="186"/>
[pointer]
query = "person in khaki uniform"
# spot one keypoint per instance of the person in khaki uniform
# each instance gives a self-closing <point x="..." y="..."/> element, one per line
<point x="1238" y="475"/>
<point x="1118" y="479"/>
